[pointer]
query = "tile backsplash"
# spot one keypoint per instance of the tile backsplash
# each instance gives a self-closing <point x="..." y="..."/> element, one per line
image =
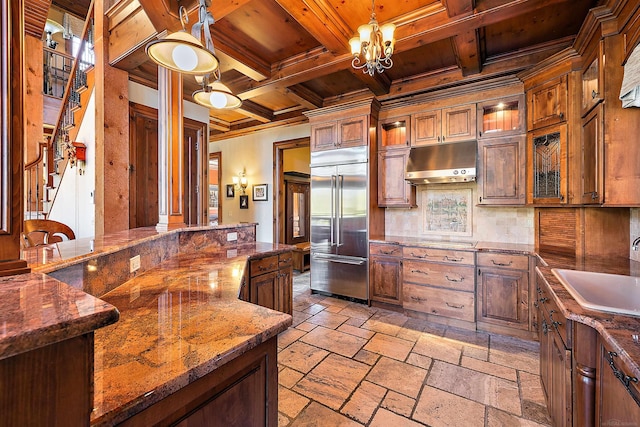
<point x="635" y="232"/>
<point x="492" y="224"/>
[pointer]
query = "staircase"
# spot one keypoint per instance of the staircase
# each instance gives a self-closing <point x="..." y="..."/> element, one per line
<point x="75" y="74"/>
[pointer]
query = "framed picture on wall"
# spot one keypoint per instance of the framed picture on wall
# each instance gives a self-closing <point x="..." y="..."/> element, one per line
<point x="244" y="201"/>
<point x="260" y="192"/>
<point x="231" y="192"/>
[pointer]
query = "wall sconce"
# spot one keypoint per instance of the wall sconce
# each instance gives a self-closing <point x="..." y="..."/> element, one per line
<point x="241" y="182"/>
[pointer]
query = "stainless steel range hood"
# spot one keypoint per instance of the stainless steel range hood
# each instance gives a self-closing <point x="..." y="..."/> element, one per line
<point x="441" y="163"/>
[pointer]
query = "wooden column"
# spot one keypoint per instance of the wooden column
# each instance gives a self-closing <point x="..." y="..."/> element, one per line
<point x="11" y="136"/>
<point x="112" y="134"/>
<point x="170" y="150"/>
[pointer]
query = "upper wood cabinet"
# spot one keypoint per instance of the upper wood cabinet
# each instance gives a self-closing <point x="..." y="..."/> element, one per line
<point x="547" y="103"/>
<point x="593" y="78"/>
<point x="547" y="165"/>
<point x="501" y="117"/>
<point x="501" y="171"/>
<point x="453" y="124"/>
<point x="394" y="133"/>
<point x="591" y="179"/>
<point x="350" y="132"/>
<point x="393" y="190"/>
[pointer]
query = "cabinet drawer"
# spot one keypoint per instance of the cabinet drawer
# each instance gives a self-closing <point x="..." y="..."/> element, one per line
<point x="439" y="255"/>
<point x="502" y="260"/>
<point x="443" y="275"/>
<point x="263" y="265"/>
<point x="285" y="259"/>
<point x="440" y="302"/>
<point x="385" y="249"/>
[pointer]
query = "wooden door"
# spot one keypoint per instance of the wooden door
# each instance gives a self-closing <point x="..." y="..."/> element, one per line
<point x="592" y="153"/>
<point x="324" y="136"/>
<point x="547" y="165"/>
<point x="501" y="174"/>
<point x="459" y="123"/>
<point x="285" y="289"/>
<point x="393" y="190"/>
<point x="385" y="279"/>
<point x="503" y="297"/>
<point x="143" y="169"/>
<point x="426" y="128"/>
<point x="547" y="104"/>
<point x="297" y="216"/>
<point x="264" y="290"/>
<point x="353" y="132"/>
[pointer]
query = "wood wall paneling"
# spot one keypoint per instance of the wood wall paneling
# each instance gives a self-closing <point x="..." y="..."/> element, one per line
<point x="11" y="136"/>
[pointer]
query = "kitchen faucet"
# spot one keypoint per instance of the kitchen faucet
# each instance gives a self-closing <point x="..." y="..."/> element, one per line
<point x="635" y="244"/>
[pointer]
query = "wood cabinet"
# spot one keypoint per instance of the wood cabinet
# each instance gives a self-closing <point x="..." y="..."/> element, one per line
<point x="555" y="334"/>
<point x="593" y="77"/>
<point x="591" y="178"/>
<point x="453" y="124"/>
<point x="440" y="284"/>
<point x="617" y="392"/>
<point x="501" y="171"/>
<point x="271" y="282"/>
<point x="503" y="291"/>
<point x="343" y="133"/>
<point x="394" y="133"/>
<point x="547" y="165"/>
<point x="243" y="392"/>
<point x="385" y="273"/>
<point x="501" y="117"/>
<point x="393" y="190"/>
<point x="393" y="152"/>
<point x="547" y="103"/>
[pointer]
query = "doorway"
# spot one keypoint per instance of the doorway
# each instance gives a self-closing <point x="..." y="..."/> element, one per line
<point x="215" y="178"/>
<point x="292" y="156"/>
<point x="143" y="170"/>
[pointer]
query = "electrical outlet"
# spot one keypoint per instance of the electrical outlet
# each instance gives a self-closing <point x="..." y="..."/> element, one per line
<point x="232" y="237"/>
<point x="134" y="264"/>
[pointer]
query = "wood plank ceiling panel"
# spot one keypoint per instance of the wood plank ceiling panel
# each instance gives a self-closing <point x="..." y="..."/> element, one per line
<point x="35" y="16"/>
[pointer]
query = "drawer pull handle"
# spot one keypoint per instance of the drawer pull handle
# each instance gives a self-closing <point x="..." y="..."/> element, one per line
<point x="626" y="380"/>
<point x="454" y="280"/>
<point x="382" y="251"/>
<point x="554" y="322"/>
<point x="420" y="256"/>
<point x="502" y="264"/>
<point x="270" y="267"/>
<point x="418" y="299"/>
<point x="452" y="259"/>
<point x="455" y="306"/>
<point x="420" y="272"/>
<point x="543" y="299"/>
<point x="545" y="327"/>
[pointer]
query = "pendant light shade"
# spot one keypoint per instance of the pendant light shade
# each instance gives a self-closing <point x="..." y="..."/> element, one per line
<point x="183" y="53"/>
<point x="218" y="96"/>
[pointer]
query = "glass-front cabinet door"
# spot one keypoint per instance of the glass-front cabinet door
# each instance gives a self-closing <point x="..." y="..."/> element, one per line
<point x="547" y="165"/>
<point x="501" y="117"/>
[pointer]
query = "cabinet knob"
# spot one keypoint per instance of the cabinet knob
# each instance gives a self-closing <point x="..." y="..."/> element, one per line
<point x="480" y="199"/>
<point x="561" y="115"/>
<point x="594" y="94"/>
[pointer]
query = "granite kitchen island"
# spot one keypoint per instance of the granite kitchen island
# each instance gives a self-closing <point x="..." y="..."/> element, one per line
<point x="185" y="344"/>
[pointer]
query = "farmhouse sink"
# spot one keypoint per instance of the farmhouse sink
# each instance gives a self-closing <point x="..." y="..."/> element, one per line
<point x="600" y="291"/>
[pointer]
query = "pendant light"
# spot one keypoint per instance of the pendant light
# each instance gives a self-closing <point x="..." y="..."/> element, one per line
<point x="184" y="52"/>
<point x="215" y="94"/>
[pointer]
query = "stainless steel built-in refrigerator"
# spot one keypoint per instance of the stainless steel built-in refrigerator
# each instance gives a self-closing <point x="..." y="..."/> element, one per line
<point x="339" y="221"/>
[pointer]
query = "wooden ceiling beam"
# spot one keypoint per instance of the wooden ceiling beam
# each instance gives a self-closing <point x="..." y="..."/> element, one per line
<point x="414" y="31"/>
<point x="467" y="50"/>
<point x="379" y="83"/>
<point x="164" y="16"/>
<point x="322" y="21"/>
<point x="303" y="96"/>
<point x="217" y="124"/>
<point x="458" y="7"/>
<point x="256" y="111"/>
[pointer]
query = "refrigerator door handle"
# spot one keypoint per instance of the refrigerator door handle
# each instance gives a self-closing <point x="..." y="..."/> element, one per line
<point x="340" y="185"/>
<point x="332" y="258"/>
<point x="333" y="210"/>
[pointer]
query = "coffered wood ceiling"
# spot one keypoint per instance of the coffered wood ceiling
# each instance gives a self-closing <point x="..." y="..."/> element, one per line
<point x="283" y="57"/>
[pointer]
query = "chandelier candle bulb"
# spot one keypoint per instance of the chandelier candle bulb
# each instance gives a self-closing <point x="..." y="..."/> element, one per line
<point x="374" y="44"/>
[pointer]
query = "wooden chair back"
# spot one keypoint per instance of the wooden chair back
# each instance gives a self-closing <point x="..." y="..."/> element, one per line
<point x="38" y="232"/>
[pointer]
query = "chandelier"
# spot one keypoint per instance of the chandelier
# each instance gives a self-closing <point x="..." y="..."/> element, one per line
<point x="374" y="46"/>
<point x="214" y="94"/>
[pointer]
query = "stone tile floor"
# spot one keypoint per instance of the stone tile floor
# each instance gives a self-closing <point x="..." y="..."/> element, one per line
<point x="346" y="364"/>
